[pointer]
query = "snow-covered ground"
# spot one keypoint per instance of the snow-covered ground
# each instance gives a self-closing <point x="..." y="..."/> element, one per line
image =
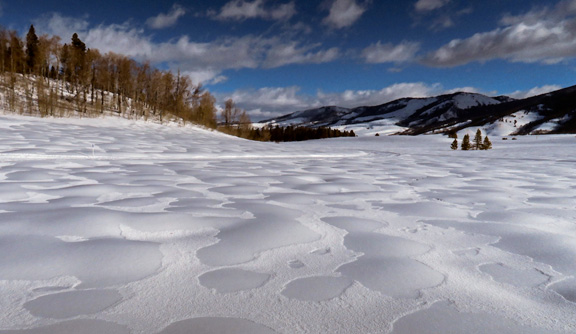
<point x="111" y="226"/>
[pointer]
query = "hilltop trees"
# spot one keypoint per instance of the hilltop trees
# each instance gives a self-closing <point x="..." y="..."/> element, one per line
<point x="72" y="78"/>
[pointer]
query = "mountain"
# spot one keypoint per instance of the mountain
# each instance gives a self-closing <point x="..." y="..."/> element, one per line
<point x="547" y="113"/>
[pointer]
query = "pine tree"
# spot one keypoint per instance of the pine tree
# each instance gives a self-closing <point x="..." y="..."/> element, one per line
<point x="454" y="145"/>
<point x="478" y="140"/>
<point x="466" y="143"/>
<point x="487" y="145"/>
<point x="32" y="50"/>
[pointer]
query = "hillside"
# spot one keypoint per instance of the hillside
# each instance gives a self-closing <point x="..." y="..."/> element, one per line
<point x="548" y="113"/>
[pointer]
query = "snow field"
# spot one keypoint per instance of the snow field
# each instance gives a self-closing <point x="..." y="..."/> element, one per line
<point x="165" y="229"/>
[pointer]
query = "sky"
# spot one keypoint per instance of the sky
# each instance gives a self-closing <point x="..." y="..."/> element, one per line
<point x="276" y="57"/>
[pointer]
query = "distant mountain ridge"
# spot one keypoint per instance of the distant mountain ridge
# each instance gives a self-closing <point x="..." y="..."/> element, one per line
<point x="552" y="112"/>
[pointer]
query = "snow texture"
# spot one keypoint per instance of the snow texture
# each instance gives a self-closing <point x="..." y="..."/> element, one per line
<point x="113" y="226"/>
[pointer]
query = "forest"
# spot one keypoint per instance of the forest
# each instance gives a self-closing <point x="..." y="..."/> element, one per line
<point x="41" y="76"/>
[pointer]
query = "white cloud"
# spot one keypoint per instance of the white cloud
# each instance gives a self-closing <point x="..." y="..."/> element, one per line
<point x="62" y="26"/>
<point x="202" y="61"/>
<point x="388" y="53"/>
<point x="274" y="100"/>
<point x="427" y="13"/>
<point x="292" y="53"/>
<point x="118" y="38"/>
<point x="428" y="5"/>
<point x="166" y="20"/>
<point x="241" y="10"/>
<point x="547" y="36"/>
<point x="344" y="13"/>
<point x="522" y="94"/>
<point x="205" y="76"/>
<point x="283" y="12"/>
<point x="355" y="98"/>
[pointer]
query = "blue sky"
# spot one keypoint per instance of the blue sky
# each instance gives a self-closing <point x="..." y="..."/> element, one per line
<point x="275" y="57"/>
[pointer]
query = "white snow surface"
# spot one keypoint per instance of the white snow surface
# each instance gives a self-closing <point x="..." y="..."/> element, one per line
<point x="113" y="226"/>
<point x="467" y="100"/>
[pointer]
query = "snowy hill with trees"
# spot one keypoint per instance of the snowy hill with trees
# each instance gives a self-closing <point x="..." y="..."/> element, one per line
<point x="43" y="77"/>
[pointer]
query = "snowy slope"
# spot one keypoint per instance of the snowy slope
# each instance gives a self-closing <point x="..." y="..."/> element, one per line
<point x="110" y="226"/>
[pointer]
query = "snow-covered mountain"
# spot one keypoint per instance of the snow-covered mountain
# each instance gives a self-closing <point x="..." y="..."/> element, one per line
<point x="407" y="111"/>
<point x="502" y="115"/>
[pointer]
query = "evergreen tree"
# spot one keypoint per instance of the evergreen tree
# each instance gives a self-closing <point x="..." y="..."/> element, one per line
<point x="466" y="143"/>
<point x="77" y="44"/>
<point x="77" y="60"/>
<point x="478" y="140"/>
<point x="487" y="145"/>
<point x="454" y="145"/>
<point x="32" y="50"/>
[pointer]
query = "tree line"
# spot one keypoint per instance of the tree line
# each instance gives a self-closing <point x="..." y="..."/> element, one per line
<point x="236" y="122"/>
<point x="477" y="144"/>
<point x="41" y="75"/>
<point x="75" y="78"/>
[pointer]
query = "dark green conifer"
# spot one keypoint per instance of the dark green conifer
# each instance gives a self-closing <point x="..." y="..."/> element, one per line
<point x="466" y="143"/>
<point x="32" y="50"/>
<point x="478" y="140"/>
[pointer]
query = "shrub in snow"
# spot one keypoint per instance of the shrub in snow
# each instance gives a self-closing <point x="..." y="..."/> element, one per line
<point x="487" y="144"/>
<point x="454" y="145"/>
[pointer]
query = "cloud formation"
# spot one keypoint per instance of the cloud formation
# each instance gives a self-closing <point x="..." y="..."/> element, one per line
<point x="545" y="36"/>
<point x="389" y="53"/>
<point x="281" y="54"/>
<point x="522" y="94"/>
<point x="344" y="13"/>
<point x="202" y="61"/>
<point x="162" y="20"/>
<point x="239" y="10"/>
